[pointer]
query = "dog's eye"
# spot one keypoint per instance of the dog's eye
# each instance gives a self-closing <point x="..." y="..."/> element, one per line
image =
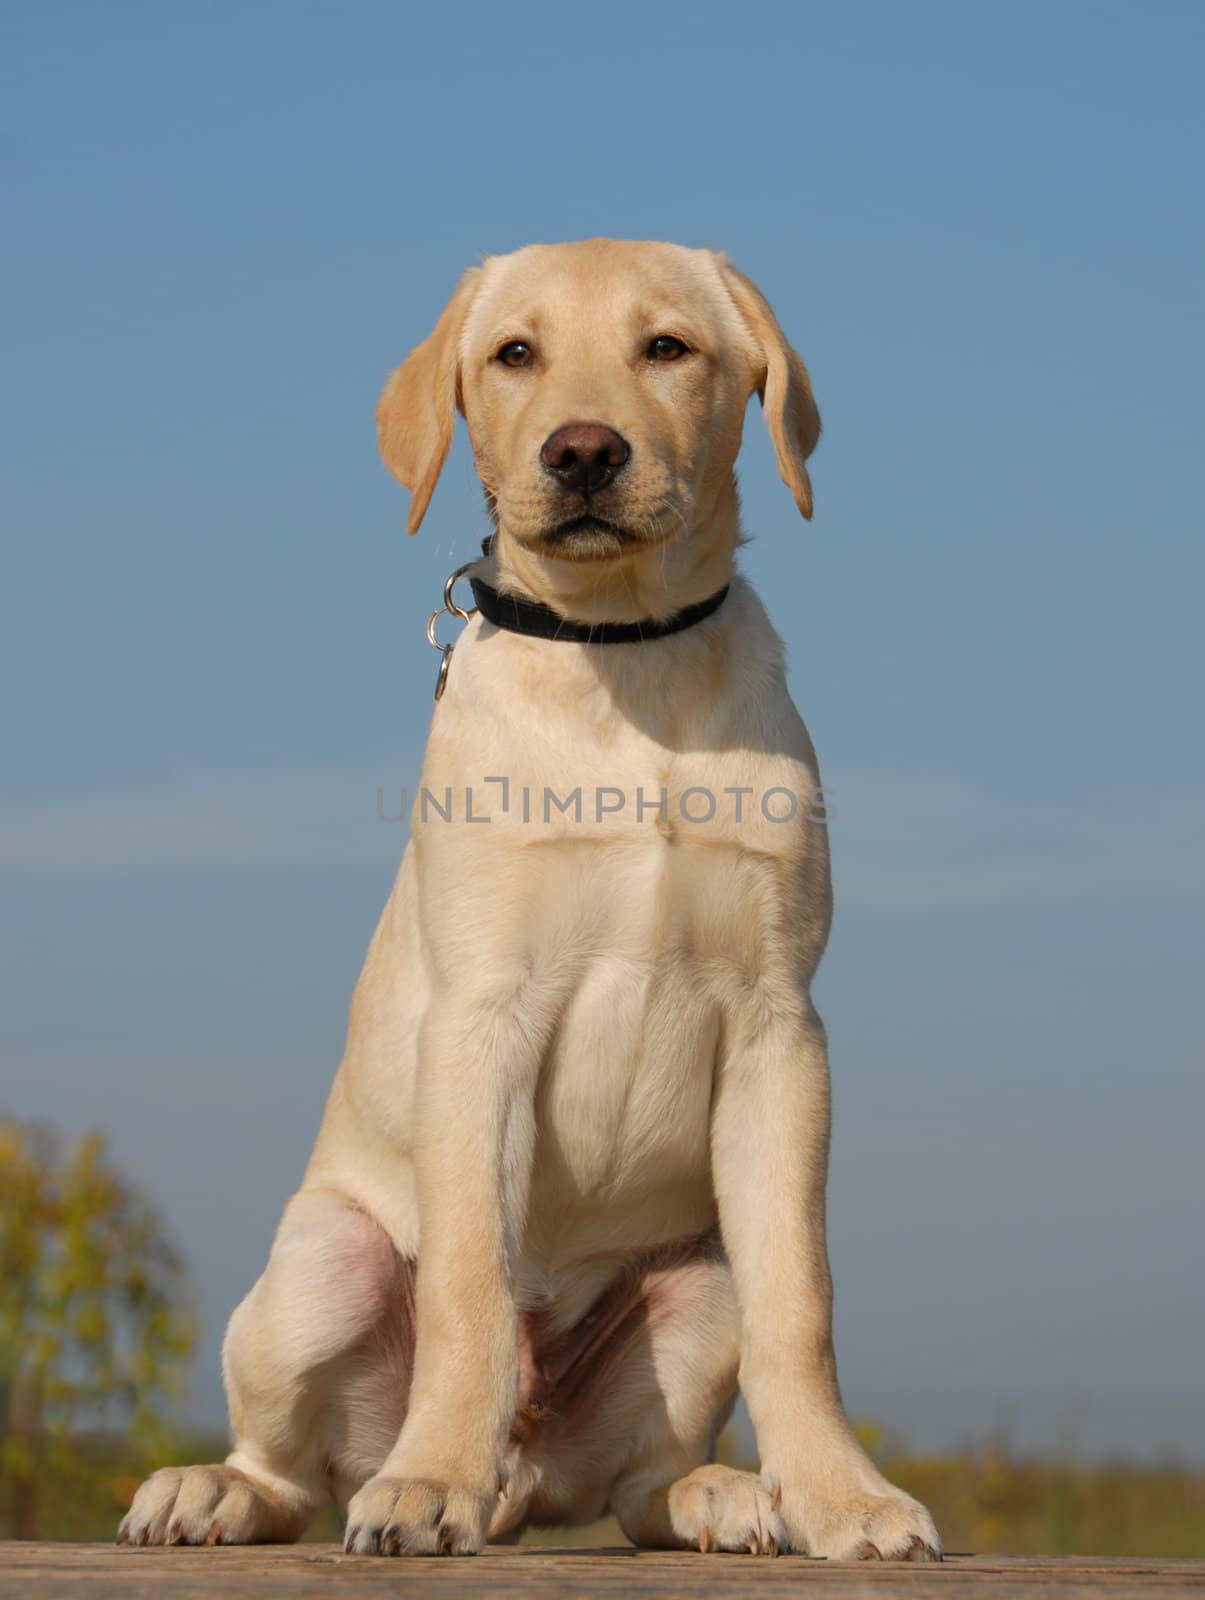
<point x="665" y="348"/>
<point x="515" y="354"/>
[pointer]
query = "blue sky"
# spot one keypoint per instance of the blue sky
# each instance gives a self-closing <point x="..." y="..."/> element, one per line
<point x="983" y="229"/>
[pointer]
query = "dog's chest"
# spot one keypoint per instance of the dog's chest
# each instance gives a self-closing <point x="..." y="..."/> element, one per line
<point x="632" y="854"/>
<point x="662" y="937"/>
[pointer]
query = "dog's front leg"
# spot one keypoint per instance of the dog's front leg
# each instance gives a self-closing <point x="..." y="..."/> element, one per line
<point x="770" y="1155"/>
<point x="473" y="1136"/>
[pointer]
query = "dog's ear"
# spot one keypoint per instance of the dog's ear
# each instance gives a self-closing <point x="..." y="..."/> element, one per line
<point x="782" y="384"/>
<point x="417" y="412"/>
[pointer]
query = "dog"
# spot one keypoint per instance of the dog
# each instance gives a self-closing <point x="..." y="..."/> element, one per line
<point x="569" y="1187"/>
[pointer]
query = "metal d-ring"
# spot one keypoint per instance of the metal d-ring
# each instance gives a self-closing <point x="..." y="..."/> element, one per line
<point x="453" y="610"/>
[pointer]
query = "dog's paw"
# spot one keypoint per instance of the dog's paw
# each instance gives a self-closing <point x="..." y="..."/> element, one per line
<point x="204" y="1505"/>
<point x="859" y="1526"/>
<point x="718" y="1508"/>
<point x="417" y="1517"/>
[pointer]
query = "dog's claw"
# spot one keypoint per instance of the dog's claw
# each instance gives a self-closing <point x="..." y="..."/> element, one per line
<point x="868" y="1552"/>
<point x="918" y="1550"/>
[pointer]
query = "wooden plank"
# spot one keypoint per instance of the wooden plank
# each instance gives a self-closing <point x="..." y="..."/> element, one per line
<point x="315" y="1572"/>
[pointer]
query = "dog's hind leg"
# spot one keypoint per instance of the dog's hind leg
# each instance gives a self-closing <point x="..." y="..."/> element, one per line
<point x="317" y="1365"/>
<point x="626" y="1415"/>
<point x="667" y="1494"/>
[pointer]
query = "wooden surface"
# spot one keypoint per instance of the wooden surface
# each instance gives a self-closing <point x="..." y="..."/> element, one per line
<point x="80" y="1571"/>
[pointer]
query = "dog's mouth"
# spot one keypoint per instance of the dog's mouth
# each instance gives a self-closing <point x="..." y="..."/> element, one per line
<point x="589" y="537"/>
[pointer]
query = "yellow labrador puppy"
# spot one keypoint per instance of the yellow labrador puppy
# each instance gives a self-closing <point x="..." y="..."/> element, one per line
<point x="569" y="1187"/>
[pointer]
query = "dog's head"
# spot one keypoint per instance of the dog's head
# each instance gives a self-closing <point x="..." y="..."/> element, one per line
<point x="604" y="384"/>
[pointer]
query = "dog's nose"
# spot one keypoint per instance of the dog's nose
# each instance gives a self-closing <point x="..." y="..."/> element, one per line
<point x="584" y="455"/>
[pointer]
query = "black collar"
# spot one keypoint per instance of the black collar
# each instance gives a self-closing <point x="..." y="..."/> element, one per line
<point x="538" y="621"/>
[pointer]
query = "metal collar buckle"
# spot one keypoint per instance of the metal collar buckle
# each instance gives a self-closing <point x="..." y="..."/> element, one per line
<point x="453" y="610"/>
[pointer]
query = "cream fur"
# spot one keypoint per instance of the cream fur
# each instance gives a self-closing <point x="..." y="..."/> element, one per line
<point x="576" y="1043"/>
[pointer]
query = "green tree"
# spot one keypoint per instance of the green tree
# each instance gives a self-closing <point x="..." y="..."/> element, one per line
<point x="96" y="1322"/>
